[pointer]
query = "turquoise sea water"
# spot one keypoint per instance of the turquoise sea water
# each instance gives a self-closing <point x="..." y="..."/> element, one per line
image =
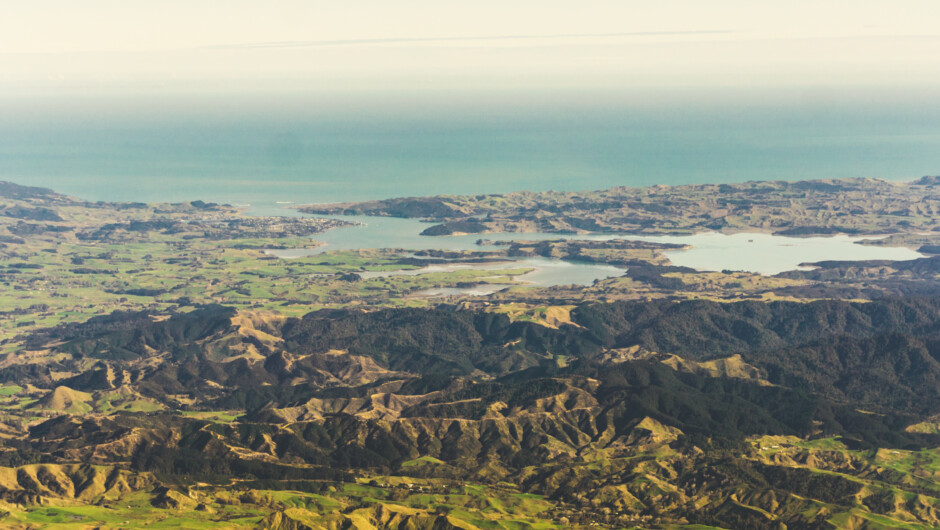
<point x="297" y="154"/>
<point x="356" y="152"/>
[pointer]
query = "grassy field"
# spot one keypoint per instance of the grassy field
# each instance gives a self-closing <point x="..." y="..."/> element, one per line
<point x="477" y="505"/>
<point x="161" y="274"/>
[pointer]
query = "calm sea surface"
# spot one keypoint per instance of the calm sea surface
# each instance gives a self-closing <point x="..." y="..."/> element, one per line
<point x="351" y="153"/>
<point x="271" y="161"/>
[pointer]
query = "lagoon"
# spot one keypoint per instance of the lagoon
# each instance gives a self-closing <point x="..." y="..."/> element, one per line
<point x="751" y="252"/>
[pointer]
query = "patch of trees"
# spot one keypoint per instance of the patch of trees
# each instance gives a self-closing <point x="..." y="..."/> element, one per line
<point x="31" y="214"/>
<point x="24" y="229"/>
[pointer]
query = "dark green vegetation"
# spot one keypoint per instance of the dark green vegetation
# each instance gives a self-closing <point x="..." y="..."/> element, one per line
<point x="807" y="414"/>
<point x="85" y="259"/>
<point x="158" y="368"/>
<point x="616" y="252"/>
<point x="907" y="212"/>
<point x="65" y="260"/>
<point x="857" y="206"/>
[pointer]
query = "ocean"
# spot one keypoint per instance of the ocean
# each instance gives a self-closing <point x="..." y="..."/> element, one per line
<point x="297" y="153"/>
<point x="275" y="156"/>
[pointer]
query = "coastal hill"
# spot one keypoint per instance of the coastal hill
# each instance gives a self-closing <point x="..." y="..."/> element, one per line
<point x="730" y="415"/>
<point x="819" y="207"/>
<point x="161" y="364"/>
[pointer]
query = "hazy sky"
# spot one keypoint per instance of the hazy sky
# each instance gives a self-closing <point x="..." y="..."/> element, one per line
<point x="94" y="46"/>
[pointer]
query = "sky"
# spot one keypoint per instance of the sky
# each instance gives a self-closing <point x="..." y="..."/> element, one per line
<point x="60" y="47"/>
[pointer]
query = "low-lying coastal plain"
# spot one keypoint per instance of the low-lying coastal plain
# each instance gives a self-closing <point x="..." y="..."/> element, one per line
<point x="533" y="360"/>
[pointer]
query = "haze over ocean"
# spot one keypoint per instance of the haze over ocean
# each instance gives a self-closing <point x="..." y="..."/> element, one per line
<point x="312" y="101"/>
<point x="316" y="148"/>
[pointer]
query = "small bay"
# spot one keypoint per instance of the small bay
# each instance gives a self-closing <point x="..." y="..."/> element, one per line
<point x="759" y="253"/>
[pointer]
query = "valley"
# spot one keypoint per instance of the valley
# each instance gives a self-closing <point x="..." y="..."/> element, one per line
<point x="161" y="366"/>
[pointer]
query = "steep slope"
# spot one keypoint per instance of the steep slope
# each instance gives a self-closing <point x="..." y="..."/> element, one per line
<point x="648" y="413"/>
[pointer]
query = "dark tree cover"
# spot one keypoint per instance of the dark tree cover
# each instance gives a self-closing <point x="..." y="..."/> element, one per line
<point x="492" y="400"/>
<point x="884" y="355"/>
<point x="11" y="190"/>
<point x="428" y="341"/>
